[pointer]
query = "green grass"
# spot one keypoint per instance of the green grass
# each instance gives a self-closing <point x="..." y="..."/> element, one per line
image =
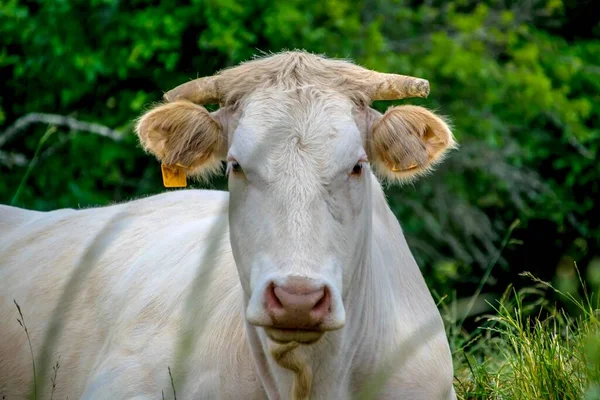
<point x="530" y="349"/>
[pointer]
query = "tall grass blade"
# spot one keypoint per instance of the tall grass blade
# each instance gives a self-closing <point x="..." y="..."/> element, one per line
<point x="24" y="326"/>
<point x="32" y="164"/>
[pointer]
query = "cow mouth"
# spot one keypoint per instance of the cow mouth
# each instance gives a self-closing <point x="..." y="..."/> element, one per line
<point x="302" y="336"/>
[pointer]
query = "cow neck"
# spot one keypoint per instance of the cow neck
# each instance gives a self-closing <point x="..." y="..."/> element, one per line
<point x="337" y="352"/>
<point x="372" y="290"/>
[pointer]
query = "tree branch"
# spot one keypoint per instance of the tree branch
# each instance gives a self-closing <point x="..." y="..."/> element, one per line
<point x="58" y="120"/>
<point x="13" y="159"/>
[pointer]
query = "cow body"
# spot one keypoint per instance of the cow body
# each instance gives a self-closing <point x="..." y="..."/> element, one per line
<point x="296" y="283"/>
<point x="123" y="323"/>
<point x="121" y="332"/>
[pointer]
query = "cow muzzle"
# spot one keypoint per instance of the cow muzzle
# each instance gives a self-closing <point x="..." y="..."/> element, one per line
<point x="297" y="309"/>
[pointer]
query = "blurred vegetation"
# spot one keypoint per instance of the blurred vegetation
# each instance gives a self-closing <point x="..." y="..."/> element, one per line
<point x="520" y="81"/>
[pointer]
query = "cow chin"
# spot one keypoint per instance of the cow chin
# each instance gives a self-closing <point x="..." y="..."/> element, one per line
<point x="284" y="336"/>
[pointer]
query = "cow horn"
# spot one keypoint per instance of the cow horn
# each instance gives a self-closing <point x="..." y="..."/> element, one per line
<point x="393" y="87"/>
<point x="200" y="91"/>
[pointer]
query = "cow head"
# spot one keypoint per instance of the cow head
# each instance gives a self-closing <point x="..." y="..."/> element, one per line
<point x="299" y="140"/>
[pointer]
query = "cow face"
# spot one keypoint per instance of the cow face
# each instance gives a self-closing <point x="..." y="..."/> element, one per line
<point x="299" y="172"/>
<point x="299" y="208"/>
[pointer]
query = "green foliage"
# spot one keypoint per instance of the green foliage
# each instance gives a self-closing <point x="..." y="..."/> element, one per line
<point x="521" y="90"/>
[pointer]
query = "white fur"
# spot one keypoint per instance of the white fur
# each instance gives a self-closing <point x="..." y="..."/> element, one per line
<point x="296" y="210"/>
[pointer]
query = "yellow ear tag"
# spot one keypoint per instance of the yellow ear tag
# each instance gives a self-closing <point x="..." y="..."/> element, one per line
<point x="173" y="175"/>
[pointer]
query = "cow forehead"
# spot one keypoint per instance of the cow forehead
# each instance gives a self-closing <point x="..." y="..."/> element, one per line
<point x="304" y="125"/>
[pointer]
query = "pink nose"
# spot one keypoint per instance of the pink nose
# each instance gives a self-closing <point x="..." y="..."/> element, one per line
<point x="297" y="306"/>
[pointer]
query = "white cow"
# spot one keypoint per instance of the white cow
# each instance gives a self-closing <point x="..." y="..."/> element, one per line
<point x="297" y="283"/>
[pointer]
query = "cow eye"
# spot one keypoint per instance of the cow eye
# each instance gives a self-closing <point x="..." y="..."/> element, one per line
<point x="236" y="167"/>
<point x="357" y="169"/>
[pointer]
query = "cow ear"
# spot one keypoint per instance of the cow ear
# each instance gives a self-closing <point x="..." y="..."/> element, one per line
<point x="407" y="141"/>
<point x="184" y="134"/>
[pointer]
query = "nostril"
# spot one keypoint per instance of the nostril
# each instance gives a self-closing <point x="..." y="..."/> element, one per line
<point x="273" y="302"/>
<point x="323" y="306"/>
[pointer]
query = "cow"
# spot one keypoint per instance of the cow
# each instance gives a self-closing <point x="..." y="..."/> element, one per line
<point x="297" y="282"/>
